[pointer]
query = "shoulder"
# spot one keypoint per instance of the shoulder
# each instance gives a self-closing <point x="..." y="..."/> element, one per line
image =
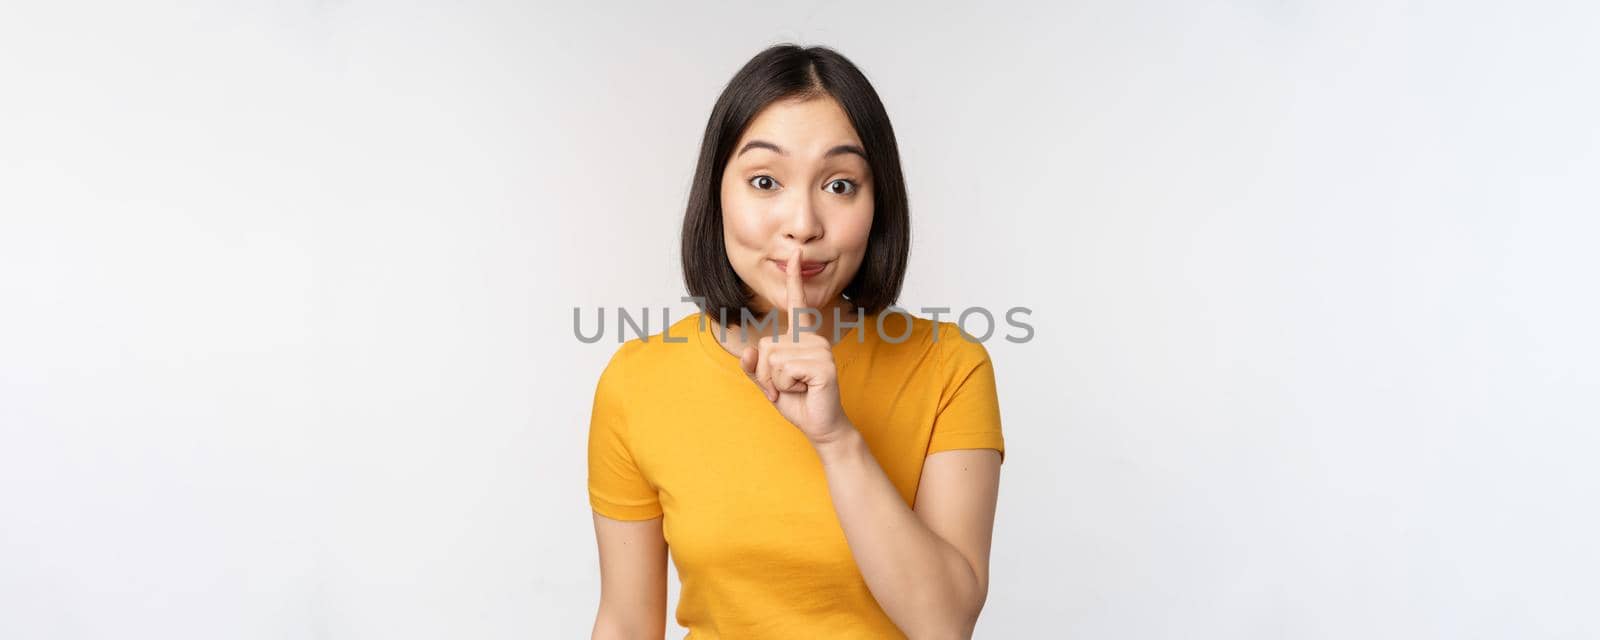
<point x="910" y="336"/>
<point x="644" y="355"/>
<point x="962" y="356"/>
<point x="945" y="339"/>
<point x="899" y="327"/>
<point x="958" y="348"/>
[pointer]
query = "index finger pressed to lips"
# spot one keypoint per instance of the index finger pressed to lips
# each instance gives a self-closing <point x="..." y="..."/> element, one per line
<point x="797" y="292"/>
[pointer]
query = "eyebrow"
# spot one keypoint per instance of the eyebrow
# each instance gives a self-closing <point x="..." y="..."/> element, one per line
<point x="839" y="150"/>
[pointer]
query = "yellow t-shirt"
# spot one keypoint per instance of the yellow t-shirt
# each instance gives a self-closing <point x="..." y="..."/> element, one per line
<point x="678" y="431"/>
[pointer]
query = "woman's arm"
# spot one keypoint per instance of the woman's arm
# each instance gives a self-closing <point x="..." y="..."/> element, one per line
<point x="633" y="579"/>
<point x="927" y="566"/>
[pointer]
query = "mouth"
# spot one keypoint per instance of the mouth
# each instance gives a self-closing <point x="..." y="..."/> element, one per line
<point x="807" y="267"/>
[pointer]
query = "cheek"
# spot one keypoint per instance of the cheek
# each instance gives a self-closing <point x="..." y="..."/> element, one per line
<point x="743" y="225"/>
<point x="854" y="228"/>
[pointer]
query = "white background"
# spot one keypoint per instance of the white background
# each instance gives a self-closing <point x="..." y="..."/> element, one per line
<point x="286" y="340"/>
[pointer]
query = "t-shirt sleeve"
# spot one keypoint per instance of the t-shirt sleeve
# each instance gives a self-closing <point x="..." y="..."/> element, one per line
<point x="617" y="489"/>
<point x="969" y="411"/>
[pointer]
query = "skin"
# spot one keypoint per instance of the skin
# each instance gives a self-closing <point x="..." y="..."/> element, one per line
<point x="927" y="564"/>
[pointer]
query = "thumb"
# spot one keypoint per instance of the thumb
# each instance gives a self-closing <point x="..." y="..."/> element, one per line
<point x="748" y="361"/>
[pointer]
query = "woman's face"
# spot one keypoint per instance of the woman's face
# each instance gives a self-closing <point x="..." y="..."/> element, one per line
<point x="798" y="180"/>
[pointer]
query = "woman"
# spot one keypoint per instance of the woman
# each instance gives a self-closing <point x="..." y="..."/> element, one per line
<point x="808" y="485"/>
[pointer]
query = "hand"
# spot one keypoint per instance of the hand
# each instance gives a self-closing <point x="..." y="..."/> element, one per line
<point x="798" y="376"/>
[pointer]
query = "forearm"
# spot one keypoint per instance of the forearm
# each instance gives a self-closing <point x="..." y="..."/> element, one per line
<point x="610" y="624"/>
<point x="922" y="582"/>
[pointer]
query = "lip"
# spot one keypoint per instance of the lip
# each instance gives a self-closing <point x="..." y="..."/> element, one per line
<point x="807" y="267"/>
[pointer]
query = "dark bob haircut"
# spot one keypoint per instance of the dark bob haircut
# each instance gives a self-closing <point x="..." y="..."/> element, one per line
<point x="780" y="72"/>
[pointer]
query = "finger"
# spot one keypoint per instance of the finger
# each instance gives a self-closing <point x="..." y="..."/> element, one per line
<point x="797" y="291"/>
<point x="778" y="362"/>
<point x="780" y="379"/>
<point x="793" y="376"/>
<point x="763" y="374"/>
<point x="748" y="361"/>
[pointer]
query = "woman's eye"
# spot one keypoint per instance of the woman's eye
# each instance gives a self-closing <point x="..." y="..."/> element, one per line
<point x="841" y="187"/>
<point x="764" y="183"/>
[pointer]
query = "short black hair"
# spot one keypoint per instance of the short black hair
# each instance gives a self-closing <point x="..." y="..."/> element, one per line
<point x="790" y="71"/>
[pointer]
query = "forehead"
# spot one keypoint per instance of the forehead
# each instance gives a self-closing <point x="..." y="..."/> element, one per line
<point x="807" y="126"/>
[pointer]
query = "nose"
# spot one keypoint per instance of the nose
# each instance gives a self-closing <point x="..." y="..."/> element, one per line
<point x="802" y="224"/>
